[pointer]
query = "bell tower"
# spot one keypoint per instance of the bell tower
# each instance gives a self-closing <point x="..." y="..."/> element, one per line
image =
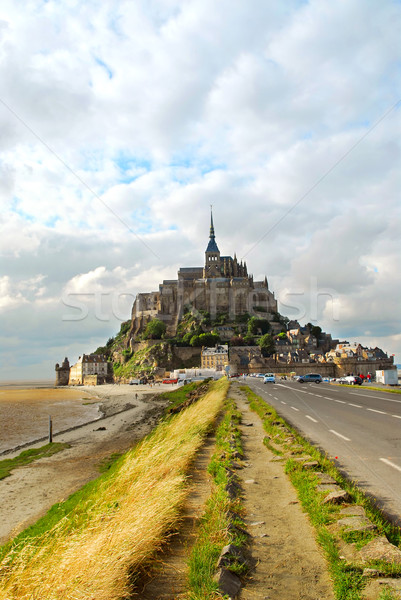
<point x="212" y="255"/>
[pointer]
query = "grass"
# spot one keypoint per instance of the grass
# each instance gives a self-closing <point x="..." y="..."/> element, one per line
<point x="28" y="456"/>
<point x="348" y="580"/>
<point x="215" y="531"/>
<point x="180" y="395"/>
<point x="103" y="535"/>
<point x="374" y="389"/>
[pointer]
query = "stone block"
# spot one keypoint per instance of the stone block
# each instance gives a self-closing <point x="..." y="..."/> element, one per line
<point x="328" y="487"/>
<point x="325" y="478"/>
<point x="309" y="466"/>
<point x="354" y="510"/>
<point x="229" y="555"/>
<point x="357" y="524"/>
<point x="337" y="497"/>
<point x="381" y="549"/>
<point x="229" y="583"/>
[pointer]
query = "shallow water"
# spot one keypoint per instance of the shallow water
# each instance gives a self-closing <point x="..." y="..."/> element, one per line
<point x="24" y="413"/>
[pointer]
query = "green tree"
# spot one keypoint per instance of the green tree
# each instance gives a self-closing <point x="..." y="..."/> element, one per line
<point x="209" y="339"/>
<point x="155" y="330"/>
<point x="266" y="343"/>
<point x="316" y="331"/>
<point x="255" y="325"/>
<point x="195" y="341"/>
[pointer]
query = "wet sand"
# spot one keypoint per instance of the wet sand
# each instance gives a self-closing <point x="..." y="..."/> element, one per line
<point x="25" y="413"/>
<point x="130" y="412"/>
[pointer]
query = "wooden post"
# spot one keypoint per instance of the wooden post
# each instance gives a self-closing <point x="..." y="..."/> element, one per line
<point x="50" y="430"/>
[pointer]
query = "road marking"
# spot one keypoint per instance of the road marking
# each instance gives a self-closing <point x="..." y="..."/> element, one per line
<point x="396" y="416"/>
<point x="340" y="401"/>
<point x="378" y="397"/>
<point x="311" y="418"/>
<point x="275" y="397"/>
<point x="328" y="398"/>
<point x="390" y="464"/>
<point x="381" y="412"/>
<point x="293" y="408"/>
<point x="339" y="435"/>
<point x="282" y="402"/>
<point x="356" y="405"/>
<point x="318" y="396"/>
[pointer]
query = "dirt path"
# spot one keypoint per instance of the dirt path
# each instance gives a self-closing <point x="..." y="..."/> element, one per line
<point x="289" y="564"/>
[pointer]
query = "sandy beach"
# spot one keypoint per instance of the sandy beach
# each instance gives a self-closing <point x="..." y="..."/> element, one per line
<point x="130" y="412"/>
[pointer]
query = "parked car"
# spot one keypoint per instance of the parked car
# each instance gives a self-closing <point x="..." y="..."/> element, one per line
<point x="310" y="378"/>
<point x="170" y="381"/>
<point x="269" y="378"/>
<point x="351" y="380"/>
<point x="134" y="382"/>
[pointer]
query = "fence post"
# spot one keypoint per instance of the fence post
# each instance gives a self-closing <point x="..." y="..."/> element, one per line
<point x="50" y="430"/>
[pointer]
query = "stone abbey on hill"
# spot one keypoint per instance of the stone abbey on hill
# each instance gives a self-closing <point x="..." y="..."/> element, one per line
<point x="222" y="285"/>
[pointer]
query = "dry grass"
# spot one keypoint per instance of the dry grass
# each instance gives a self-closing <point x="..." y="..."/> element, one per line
<point x="123" y="525"/>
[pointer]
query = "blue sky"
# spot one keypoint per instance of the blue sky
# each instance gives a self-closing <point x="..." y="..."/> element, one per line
<point x="123" y="121"/>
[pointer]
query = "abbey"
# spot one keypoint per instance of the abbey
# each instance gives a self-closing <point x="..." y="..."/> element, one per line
<point x="222" y="285"/>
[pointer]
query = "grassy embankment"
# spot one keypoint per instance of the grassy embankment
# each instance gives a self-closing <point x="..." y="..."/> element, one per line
<point x="28" y="456"/>
<point x="103" y="535"/>
<point x="347" y="577"/>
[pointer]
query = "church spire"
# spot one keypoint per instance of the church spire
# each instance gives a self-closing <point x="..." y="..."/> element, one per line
<point x="212" y="246"/>
<point x="211" y="223"/>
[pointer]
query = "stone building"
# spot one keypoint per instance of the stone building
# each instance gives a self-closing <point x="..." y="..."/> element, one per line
<point x="89" y="369"/>
<point x="222" y="285"/>
<point x="62" y="372"/>
<point x="214" y="358"/>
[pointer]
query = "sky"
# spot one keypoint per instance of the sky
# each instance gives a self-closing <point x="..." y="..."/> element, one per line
<point x="123" y="121"/>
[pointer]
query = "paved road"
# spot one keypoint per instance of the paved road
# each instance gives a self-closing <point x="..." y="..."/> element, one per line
<point x="360" y="429"/>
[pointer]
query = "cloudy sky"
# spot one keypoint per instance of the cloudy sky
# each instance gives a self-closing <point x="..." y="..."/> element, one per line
<point x="123" y="121"/>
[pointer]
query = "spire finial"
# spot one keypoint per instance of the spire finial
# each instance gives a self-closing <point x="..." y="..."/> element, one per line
<point x="211" y="222"/>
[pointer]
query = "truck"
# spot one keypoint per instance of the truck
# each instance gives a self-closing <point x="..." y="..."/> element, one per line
<point x="388" y="377"/>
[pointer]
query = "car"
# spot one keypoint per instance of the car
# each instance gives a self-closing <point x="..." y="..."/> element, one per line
<point x="170" y="381"/>
<point x="269" y="378"/>
<point x="134" y="382"/>
<point x="310" y="378"/>
<point x="351" y="380"/>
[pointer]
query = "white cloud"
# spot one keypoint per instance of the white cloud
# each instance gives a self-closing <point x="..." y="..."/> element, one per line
<point x="122" y="122"/>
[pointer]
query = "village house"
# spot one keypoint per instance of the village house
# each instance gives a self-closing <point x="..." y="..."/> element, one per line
<point x="90" y="369"/>
<point x="214" y="358"/>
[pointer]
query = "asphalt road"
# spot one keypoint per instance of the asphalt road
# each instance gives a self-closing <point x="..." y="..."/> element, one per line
<point x="359" y="429"/>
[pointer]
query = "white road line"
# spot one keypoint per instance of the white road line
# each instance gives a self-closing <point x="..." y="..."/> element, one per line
<point x="378" y="397"/>
<point x="282" y="402"/>
<point x="275" y="397"/>
<point x="390" y="464"/>
<point x="318" y="396"/>
<point x="340" y="401"/>
<point x="381" y="412"/>
<point x="356" y="405"/>
<point x="293" y="408"/>
<point x="339" y="435"/>
<point x="311" y="418"/>
<point x="396" y="416"/>
<point x="327" y="398"/>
